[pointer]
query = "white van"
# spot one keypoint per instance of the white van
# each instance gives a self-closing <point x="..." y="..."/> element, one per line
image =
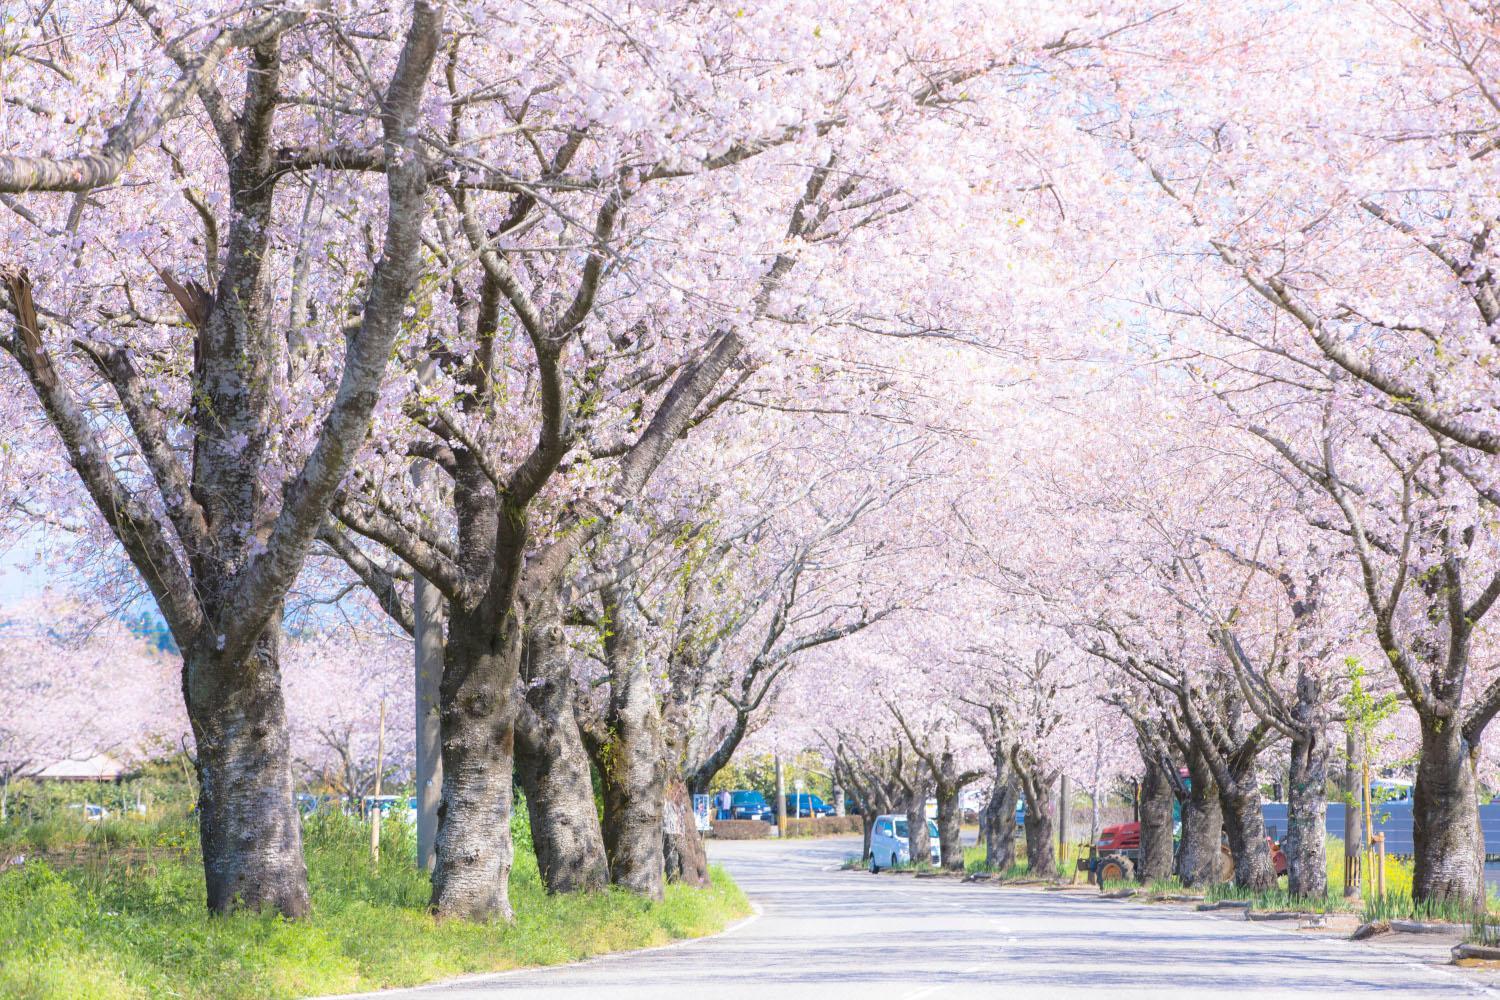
<point x="888" y="846"/>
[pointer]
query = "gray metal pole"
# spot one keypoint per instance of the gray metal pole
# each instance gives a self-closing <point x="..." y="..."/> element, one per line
<point x="1064" y="807"/>
<point x="429" y="674"/>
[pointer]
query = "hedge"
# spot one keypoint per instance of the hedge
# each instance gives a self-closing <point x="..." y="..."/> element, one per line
<point x="823" y="826"/>
<point x="741" y="829"/>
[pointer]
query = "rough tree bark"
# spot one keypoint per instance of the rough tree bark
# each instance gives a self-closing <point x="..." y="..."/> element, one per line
<point x="631" y="757"/>
<point x="1230" y="759"/>
<point x="949" y="820"/>
<point x="918" y="839"/>
<point x="683" y="853"/>
<point x="553" y="765"/>
<point x="1156" y="816"/>
<point x="1000" y="820"/>
<point x="248" y="821"/>
<point x="1445" y="817"/>
<point x="1202" y="827"/>
<point x="471" y="877"/>
<point x="1041" y="805"/>
<point x="1245" y="828"/>
<point x="1306" y="841"/>
<point x="1353" y="829"/>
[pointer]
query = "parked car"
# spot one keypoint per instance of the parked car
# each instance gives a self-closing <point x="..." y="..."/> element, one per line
<point x="390" y="806"/>
<point x="805" y="804"/>
<point x="91" y="812"/>
<point x="888" y="842"/>
<point x="746" y="804"/>
<point x="307" y="803"/>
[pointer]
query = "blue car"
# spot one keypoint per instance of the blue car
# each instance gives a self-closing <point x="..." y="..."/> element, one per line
<point x="750" y="805"/>
<point x="806" y="804"/>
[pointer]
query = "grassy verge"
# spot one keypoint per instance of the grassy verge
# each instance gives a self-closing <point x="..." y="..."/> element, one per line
<point x="123" y="925"/>
<point x="975" y="861"/>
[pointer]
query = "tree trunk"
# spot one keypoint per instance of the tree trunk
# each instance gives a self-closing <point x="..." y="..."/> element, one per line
<point x="471" y="879"/>
<point x="1445" y="818"/>
<point x="554" y="772"/>
<point x="1245" y="826"/>
<point x="949" y="816"/>
<point x="918" y="841"/>
<point x="1094" y="813"/>
<point x="1353" y="829"/>
<point x="1156" y="821"/>
<point x="683" y="854"/>
<point x="632" y="759"/>
<point x="1041" y="850"/>
<point x="553" y="766"/>
<point x="838" y="799"/>
<point x="248" y="822"/>
<point x="1202" y="828"/>
<point x="1000" y="822"/>
<point x="1306" y="840"/>
<point x="867" y="825"/>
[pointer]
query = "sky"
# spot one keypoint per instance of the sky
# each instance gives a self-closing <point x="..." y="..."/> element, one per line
<point x="19" y="580"/>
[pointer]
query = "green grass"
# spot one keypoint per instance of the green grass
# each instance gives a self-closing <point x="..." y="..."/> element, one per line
<point x="1275" y="898"/>
<point x="975" y="861"/>
<point x="135" y="927"/>
<point x="1400" y="906"/>
<point x="1397" y="903"/>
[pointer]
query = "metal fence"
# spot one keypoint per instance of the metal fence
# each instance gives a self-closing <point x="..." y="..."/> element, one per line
<point x="1392" y="819"/>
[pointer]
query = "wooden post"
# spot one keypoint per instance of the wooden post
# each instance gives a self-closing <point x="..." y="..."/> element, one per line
<point x="1380" y="865"/>
<point x="379" y="767"/>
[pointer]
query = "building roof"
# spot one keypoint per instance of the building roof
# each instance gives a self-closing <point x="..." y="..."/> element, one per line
<point x="99" y="767"/>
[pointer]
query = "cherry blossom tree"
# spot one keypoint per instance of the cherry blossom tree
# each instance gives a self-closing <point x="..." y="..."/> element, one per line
<point x="78" y="683"/>
<point x="217" y="497"/>
<point x="336" y="684"/>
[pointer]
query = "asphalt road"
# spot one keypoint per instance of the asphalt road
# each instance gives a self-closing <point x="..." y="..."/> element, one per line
<point x="846" y="936"/>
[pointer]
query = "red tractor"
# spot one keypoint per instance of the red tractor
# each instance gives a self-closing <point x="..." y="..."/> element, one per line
<point x="1115" y="857"/>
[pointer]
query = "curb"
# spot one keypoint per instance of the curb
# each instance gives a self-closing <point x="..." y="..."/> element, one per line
<point x="1420" y="927"/>
<point x="1280" y="915"/>
<point x="1475" y="953"/>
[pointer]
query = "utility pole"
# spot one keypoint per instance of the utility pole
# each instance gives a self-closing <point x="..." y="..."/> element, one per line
<point x="379" y="767"/>
<point x="1062" y="820"/>
<point x="428" y="612"/>
<point x="780" y="798"/>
